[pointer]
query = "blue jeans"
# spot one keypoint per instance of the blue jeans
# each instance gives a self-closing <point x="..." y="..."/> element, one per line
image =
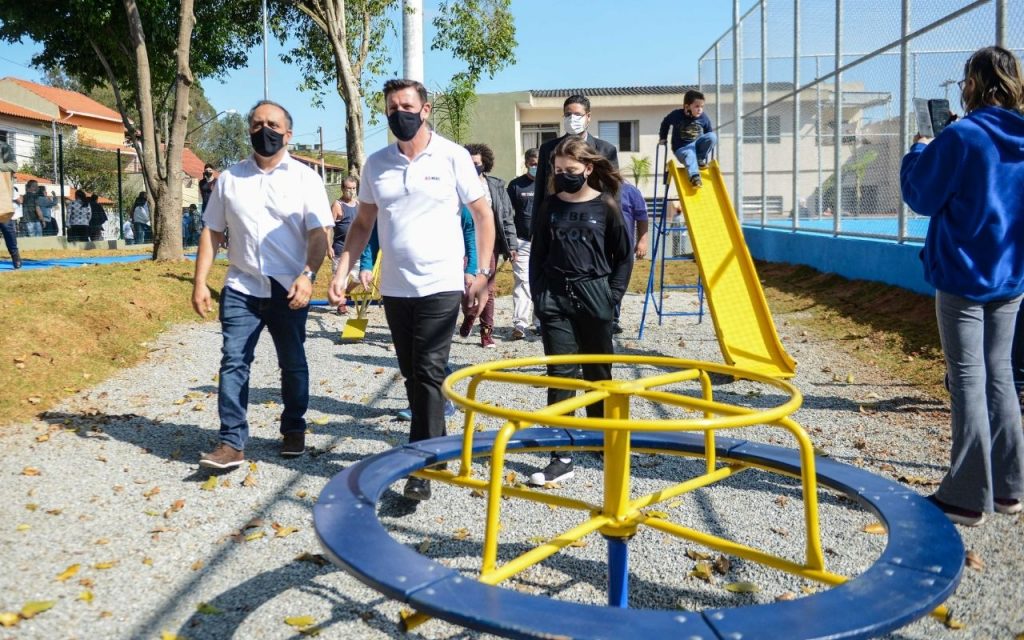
<point x="34" y="229"/>
<point x="10" y="233"/>
<point x="242" y="319"/>
<point x="700" y="149"/>
<point x="143" y="233"/>
<point x="987" y="456"/>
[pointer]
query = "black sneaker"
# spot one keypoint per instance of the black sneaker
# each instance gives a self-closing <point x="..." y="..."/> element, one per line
<point x="616" y="328"/>
<point x="556" y="471"/>
<point x="417" y="489"/>
<point x="294" y="445"/>
<point x="696" y="181"/>
<point x="965" y="517"/>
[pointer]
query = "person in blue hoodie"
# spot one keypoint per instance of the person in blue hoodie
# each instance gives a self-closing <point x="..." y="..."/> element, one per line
<point x="970" y="181"/>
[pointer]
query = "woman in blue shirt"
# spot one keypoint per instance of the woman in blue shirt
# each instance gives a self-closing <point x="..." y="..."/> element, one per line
<point x="970" y="181"/>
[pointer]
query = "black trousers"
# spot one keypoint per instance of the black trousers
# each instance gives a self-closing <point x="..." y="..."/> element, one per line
<point x="577" y="323"/>
<point x="421" y="330"/>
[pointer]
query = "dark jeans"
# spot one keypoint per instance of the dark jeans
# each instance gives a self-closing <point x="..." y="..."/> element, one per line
<point x="421" y="330"/>
<point x="1017" y="352"/>
<point x="242" y="319"/>
<point x="143" y="233"/>
<point x="10" y="231"/>
<point x="566" y="329"/>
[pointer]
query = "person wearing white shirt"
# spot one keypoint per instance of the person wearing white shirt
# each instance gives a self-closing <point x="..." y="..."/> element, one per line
<point x="413" y="191"/>
<point x="277" y="213"/>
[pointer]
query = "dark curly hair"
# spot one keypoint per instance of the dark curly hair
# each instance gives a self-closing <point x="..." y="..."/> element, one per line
<point x="485" y="153"/>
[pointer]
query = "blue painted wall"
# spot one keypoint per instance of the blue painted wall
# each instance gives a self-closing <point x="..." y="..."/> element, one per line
<point x="854" y="258"/>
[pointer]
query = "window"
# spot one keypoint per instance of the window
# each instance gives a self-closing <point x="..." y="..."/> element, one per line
<point x="752" y="129"/>
<point x="534" y="135"/>
<point x="621" y="133"/>
<point x="8" y="137"/>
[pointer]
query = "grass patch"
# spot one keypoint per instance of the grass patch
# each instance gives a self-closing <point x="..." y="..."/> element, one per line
<point x="67" y="329"/>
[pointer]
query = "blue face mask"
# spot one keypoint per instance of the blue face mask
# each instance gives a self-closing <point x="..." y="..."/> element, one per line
<point x="532" y="171"/>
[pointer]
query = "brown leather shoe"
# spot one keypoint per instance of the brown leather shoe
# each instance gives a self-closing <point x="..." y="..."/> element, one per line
<point x="223" y="457"/>
<point x="294" y="445"/>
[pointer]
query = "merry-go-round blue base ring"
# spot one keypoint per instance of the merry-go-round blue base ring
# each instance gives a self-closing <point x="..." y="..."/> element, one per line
<point x="919" y="568"/>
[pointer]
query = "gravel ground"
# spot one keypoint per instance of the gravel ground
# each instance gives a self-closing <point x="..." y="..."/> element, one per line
<point x="108" y="482"/>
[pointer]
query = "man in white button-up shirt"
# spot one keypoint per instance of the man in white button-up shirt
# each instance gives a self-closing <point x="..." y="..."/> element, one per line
<point x="414" y="190"/>
<point x="278" y="215"/>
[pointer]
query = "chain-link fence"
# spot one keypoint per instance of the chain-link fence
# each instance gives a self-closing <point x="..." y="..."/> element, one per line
<point x="58" y="176"/>
<point x="826" y="90"/>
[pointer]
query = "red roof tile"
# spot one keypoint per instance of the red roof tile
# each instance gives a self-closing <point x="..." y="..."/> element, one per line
<point x="70" y="101"/>
<point x="10" y="109"/>
<point x="191" y="164"/>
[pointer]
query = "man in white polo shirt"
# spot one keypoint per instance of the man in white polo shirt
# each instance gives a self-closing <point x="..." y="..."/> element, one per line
<point x="278" y="216"/>
<point x="413" y="190"/>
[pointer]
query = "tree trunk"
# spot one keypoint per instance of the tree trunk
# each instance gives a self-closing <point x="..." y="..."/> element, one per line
<point x="163" y="175"/>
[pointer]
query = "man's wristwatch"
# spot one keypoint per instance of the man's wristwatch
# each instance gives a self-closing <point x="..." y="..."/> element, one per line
<point x="487" y="273"/>
<point x="309" y="274"/>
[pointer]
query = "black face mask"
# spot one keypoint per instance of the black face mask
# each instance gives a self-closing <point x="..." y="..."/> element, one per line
<point x="404" y="124"/>
<point x="266" y="142"/>
<point x="479" y="169"/>
<point x="569" y="182"/>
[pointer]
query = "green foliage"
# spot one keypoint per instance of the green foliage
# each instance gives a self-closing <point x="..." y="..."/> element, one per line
<point x="86" y="168"/>
<point x="369" y="22"/>
<point x="480" y="32"/>
<point x="223" y="141"/>
<point x="452" y="108"/>
<point x="639" y="167"/>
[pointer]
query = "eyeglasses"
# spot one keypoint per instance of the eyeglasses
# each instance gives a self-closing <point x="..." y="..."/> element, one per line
<point x="961" y="83"/>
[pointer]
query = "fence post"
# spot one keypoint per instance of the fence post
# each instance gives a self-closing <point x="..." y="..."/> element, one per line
<point x="904" y="104"/>
<point x="796" y="114"/>
<point x="764" y="112"/>
<point x="1001" y="23"/>
<point x="60" y="169"/>
<point x="837" y="118"/>
<point x="817" y="137"/>
<point x="718" y="85"/>
<point x="737" y="103"/>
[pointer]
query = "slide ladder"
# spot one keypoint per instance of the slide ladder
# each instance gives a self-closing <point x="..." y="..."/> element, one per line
<point x="743" y="323"/>
<point x="669" y="245"/>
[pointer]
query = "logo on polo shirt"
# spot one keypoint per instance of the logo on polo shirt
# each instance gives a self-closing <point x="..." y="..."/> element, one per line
<point x="432" y="178"/>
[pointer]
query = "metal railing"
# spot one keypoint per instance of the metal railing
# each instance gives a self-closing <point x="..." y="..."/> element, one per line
<point x="825" y="91"/>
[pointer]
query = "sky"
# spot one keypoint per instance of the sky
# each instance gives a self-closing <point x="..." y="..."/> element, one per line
<point x="601" y="43"/>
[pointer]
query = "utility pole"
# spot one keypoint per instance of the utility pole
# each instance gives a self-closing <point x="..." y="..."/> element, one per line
<point x="412" y="39"/>
<point x="323" y="169"/>
<point x="266" y="81"/>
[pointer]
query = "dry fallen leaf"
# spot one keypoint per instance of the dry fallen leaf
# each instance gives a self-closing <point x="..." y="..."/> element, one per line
<point x="255" y="535"/>
<point x="301" y="494"/>
<point x="9" y="618"/>
<point x="68" y="573"/>
<point x="315" y="558"/>
<point x="875" y="528"/>
<point x="32" y="609"/>
<point x="88" y="583"/>
<point x="661" y="515"/>
<point x="255" y="523"/>
<point x="722" y="565"/>
<point x="210" y="484"/>
<point x="30" y="471"/>
<point x="461" y="533"/>
<point x="208" y="609"/>
<point x="781" y="501"/>
<point x="147" y="561"/>
<point x="22" y="527"/>
<point x="300" y="621"/>
<point x="197" y="565"/>
<point x="742" y="587"/>
<point x="167" y="635"/>
<point x="85" y="596"/>
<point x="250" y="480"/>
<point x="43" y="438"/>
<point x="281" y="531"/>
<point x="785" y="596"/>
<point x="693" y="554"/>
<point x="152" y="492"/>
<point x="320" y="421"/>
<point x="974" y="561"/>
<point x="31" y="506"/>
<point x="702" y="571"/>
<point x="951" y="622"/>
<point x="109" y="564"/>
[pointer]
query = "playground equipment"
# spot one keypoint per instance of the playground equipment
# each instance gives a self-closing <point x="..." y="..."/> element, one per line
<point x="671" y="238"/>
<point x="919" y="568"/>
<point x="355" y="328"/>
<point x="743" y="323"/>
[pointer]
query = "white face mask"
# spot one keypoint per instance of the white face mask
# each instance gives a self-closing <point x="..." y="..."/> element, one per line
<point x="575" y="124"/>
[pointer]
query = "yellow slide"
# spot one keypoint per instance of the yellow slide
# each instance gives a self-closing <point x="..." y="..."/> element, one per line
<point x="743" y="323"/>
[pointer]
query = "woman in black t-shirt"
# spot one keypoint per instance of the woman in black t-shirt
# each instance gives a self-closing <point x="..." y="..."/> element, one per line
<point x="579" y="270"/>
